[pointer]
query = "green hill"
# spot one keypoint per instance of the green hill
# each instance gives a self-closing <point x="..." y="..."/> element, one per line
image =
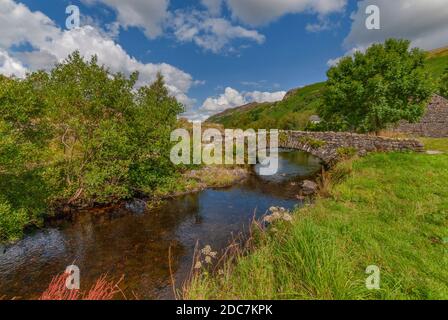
<point x="294" y="111"/>
<point x="438" y="61"/>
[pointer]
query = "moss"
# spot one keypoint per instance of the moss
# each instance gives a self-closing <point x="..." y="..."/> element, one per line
<point x="346" y="152"/>
<point x="313" y="143"/>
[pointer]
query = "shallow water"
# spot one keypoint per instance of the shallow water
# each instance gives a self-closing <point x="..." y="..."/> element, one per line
<point x="119" y="241"/>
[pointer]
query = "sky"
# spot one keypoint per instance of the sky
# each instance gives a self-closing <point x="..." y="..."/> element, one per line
<point x="214" y="54"/>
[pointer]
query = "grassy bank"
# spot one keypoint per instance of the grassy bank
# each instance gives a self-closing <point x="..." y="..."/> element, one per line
<point x="437" y="144"/>
<point x="200" y="178"/>
<point x="391" y="211"/>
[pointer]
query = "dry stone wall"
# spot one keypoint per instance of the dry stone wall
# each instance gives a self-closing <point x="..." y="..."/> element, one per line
<point x="331" y="146"/>
<point x="433" y="124"/>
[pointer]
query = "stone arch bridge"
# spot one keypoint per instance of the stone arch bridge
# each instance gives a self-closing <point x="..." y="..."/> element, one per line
<point x="332" y="146"/>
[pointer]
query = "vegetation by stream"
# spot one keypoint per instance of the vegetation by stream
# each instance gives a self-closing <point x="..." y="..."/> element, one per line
<point x="80" y="135"/>
<point x="389" y="210"/>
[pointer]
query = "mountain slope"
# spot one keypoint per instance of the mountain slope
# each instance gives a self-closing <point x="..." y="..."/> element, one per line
<point x="294" y="111"/>
<point x="438" y="61"/>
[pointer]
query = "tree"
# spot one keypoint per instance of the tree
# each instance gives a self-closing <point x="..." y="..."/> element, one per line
<point x="371" y="90"/>
<point x="107" y="131"/>
<point x="444" y="84"/>
<point x="80" y="134"/>
<point x="23" y="142"/>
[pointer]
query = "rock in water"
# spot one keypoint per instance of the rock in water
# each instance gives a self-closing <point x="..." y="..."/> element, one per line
<point x="136" y="206"/>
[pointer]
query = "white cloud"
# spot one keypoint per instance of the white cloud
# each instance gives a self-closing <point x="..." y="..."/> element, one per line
<point x="258" y="12"/>
<point x="208" y="32"/>
<point x="259" y="96"/>
<point x="213" y="6"/>
<point x="322" y="24"/>
<point x="19" y="25"/>
<point x="203" y="27"/>
<point x="425" y="23"/>
<point x="350" y="53"/>
<point x="148" y="15"/>
<point x="229" y="99"/>
<point x="11" y="67"/>
<point x="232" y="98"/>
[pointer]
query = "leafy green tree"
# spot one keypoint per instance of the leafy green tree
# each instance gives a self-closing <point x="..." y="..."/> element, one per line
<point x="23" y="141"/>
<point x="371" y="90"/>
<point x="86" y="106"/>
<point x="113" y="140"/>
<point x="80" y="134"/>
<point x="444" y="84"/>
<point x="152" y="120"/>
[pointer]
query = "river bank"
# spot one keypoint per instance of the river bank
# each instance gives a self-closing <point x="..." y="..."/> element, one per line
<point x="191" y="181"/>
<point x="134" y="240"/>
<point x="386" y="210"/>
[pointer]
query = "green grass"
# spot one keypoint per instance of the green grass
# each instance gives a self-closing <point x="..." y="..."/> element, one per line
<point x="391" y="211"/>
<point x="437" y="62"/>
<point x="438" y="144"/>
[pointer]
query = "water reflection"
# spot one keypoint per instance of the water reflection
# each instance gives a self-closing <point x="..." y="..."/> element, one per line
<point x="136" y="245"/>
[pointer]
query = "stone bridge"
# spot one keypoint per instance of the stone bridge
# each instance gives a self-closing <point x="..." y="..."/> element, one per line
<point x="333" y="146"/>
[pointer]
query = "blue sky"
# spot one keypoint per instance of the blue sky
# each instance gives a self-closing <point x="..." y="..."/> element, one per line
<point x="215" y="54"/>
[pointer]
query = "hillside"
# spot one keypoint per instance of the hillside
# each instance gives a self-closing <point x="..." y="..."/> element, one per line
<point x="294" y="111"/>
<point x="438" y="61"/>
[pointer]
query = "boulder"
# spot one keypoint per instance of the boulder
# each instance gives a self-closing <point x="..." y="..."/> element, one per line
<point x="309" y="187"/>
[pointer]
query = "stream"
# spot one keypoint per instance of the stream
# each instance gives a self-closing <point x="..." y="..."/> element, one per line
<point x="127" y="240"/>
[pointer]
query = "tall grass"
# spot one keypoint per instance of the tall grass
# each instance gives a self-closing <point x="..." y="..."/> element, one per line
<point x="390" y="211"/>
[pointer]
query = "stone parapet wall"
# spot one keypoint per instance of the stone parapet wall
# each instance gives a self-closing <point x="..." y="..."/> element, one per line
<point x="330" y="146"/>
<point x="433" y="124"/>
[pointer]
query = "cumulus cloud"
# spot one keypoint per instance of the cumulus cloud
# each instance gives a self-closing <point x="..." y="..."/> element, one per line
<point x="144" y="14"/>
<point x="208" y="32"/>
<point x="213" y="6"/>
<point x="203" y="27"/>
<point x="207" y="28"/>
<point x="232" y="98"/>
<point x="229" y="99"/>
<point x="425" y="23"/>
<point x="349" y="53"/>
<point x="11" y="67"/>
<point x="258" y="96"/>
<point x="19" y="25"/>
<point x="258" y="12"/>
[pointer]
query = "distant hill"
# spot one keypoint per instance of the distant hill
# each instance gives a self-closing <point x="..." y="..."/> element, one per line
<point x="438" y="61"/>
<point x="294" y="111"/>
